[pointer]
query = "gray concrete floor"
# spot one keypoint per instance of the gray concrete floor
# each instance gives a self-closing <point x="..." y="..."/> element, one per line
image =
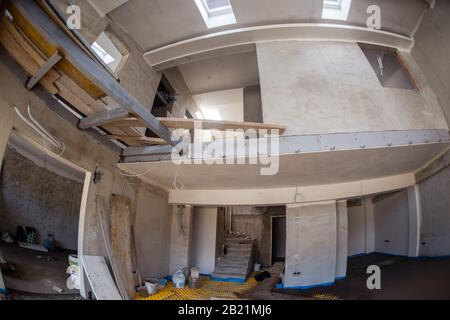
<point x="36" y="273"/>
<point x="401" y="279"/>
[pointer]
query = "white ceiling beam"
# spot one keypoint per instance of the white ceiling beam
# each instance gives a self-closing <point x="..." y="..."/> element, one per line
<point x="221" y="42"/>
<point x="283" y="196"/>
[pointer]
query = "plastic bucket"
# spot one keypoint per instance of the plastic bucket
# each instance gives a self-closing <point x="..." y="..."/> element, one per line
<point x="152" y="286"/>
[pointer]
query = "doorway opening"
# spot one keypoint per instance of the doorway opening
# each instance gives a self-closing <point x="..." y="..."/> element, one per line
<point x="40" y="209"/>
<point x="278" y="239"/>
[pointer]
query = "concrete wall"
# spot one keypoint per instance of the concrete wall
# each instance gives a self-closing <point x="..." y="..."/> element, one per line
<point x="180" y="237"/>
<point x="435" y="211"/>
<point x="81" y="150"/>
<point x="328" y="87"/>
<point x="342" y="239"/>
<point x="252" y="104"/>
<point x="361" y="227"/>
<point x="432" y="49"/>
<point x="356" y="230"/>
<point x="204" y="238"/>
<point x="152" y="234"/>
<point x="392" y="224"/>
<point x="311" y="247"/>
<point x="33" y="196"/>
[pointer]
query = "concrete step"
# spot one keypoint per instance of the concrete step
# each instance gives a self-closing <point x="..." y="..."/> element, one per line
<point x="227" y="264"/>
<point x="239" y="276"/>
<point x="239" y="248"/>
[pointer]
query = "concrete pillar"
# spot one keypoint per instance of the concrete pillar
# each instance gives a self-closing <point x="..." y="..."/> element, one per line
<point x="342" y="239"/>
<point x="6" y="122"/>
<point x="311" y="244"/>
<point x="180" y="237"/>
<point x="415" y="216"/>
<point x="369" y="224"/>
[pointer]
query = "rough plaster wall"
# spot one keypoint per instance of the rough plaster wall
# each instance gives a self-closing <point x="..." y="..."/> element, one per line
<point x="342" y="239"/>
<point x="432" y="50"/>
<point x="356" y="230"/>
<point x="311" y="244"/>
<point x="180" y="238"/>
<point x="81" y="149"/>
<point x="435" y="201"/>
<point x="392" y="224"/>
<point x="203" y="245"/>
<point x="33" y="196"/>
<point x="252" y="104"/>
<point x="328" y="87"/>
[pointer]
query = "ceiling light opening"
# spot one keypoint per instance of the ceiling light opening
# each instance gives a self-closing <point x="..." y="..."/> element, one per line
<point x="216" y="13"/>
<point x="336" y="9"/>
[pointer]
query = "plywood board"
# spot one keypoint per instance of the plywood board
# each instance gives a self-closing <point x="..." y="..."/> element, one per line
<point x="121" y="240"/>
<point x="99" y="278"/>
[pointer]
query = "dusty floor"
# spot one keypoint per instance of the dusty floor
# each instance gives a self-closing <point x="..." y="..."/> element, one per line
<point x="36" y="273"/>
<point x="401" y="278"/>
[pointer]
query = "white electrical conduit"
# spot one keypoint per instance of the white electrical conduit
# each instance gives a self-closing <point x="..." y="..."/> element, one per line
<point x="35" y="125"/>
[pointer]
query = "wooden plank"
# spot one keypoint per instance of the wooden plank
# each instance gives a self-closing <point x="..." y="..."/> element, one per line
<point x="23" y="57"/>
<point x="121" y="240"/>
<point x="105" y="228"/>
<point x="125" y="122"/>
<point x="49" y="48"/>
<point x="99" y="278"/>
<point x="138" y="139"/>
<point x="188" y="124"/>
<point x="79" y="92"/>
<point x="46" y="28"/>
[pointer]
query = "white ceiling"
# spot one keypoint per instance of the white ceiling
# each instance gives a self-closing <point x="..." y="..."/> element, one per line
<point x="296" y="170"/>
<point x="223" y="73"/>
<point x="154" y="23"/>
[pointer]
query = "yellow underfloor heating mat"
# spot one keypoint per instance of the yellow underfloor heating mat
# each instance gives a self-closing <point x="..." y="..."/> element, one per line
<point x="209" y="289"/>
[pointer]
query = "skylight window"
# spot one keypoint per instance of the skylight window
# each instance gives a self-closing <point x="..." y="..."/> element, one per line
<point x="108" y="52"/>
<point x="216" y="13"/>
<point x="336" y="9"/>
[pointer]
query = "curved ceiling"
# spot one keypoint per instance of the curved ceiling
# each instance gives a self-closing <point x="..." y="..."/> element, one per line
<point x="156" y="23"/>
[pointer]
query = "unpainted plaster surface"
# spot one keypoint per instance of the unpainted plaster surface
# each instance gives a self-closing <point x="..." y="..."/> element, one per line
<point x="330" y="87"/>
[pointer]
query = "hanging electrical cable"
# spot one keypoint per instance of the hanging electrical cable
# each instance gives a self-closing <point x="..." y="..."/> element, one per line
<point x="36" y="126"/>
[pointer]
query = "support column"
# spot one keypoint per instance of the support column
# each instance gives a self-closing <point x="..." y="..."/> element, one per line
<point x="180" y="237"/>
<point x="415" y="216"/>
<point x="311" y="244"/>
<point x="342" y="240"/>
<point x="369" y="219"/>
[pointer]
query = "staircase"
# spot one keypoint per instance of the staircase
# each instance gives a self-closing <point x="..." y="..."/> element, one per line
<point x="237" y="263"/>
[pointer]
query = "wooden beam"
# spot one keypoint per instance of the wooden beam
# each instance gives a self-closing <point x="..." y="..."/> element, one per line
<point x="93" y="71"/>
<point x="49" y="64"/>
<point x="125" y="123"/>
<point x="138" y="139"/>
<point x="102" y="118"/>
<point x="189" y="124"/>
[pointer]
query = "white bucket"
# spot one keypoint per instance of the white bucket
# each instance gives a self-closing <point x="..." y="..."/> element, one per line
<point x="152" y="286"/>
